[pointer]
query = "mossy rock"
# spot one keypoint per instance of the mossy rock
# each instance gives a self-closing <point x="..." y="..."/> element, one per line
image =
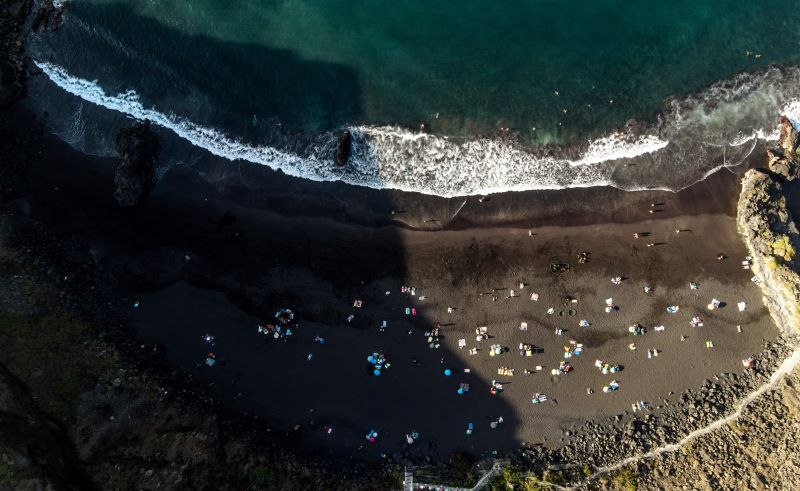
<point x="783" y="248"/>
<point x="772" y="263"/>
<point x="9" y="472"/>
<point x="626" y="479"/>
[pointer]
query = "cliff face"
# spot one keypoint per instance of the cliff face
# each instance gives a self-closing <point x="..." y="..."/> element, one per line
<point x="769" y="230"/>
<point x="36" y="451"/>
<point x="12" y="56"/>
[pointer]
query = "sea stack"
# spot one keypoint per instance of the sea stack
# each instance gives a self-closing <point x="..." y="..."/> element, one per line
<point x="134" y="177"/>
<point x="343" y="147"/>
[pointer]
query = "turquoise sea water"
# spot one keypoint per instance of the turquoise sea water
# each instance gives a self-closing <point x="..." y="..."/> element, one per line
<point x="551" y="72"/>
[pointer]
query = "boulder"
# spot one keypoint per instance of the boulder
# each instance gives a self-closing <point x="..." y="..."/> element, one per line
<point x="785" y="167"/>
<point x="134" y="177"/>
<point x="49" y="17"/>
<point x="789" y="138"/>
<point x="343" y="148"/>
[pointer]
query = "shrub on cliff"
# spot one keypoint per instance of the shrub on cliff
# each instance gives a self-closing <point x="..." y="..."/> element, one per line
<point x="782" y="247"/>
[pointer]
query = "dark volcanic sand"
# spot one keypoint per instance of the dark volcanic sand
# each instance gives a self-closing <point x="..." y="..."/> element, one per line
<point x="317" y="247"/>
<point x="335" y="388"/>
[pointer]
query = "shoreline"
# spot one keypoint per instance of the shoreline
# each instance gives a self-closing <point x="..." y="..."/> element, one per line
<point x="260" y="188"/>
<point x="377" y="160"/>
<point x="169" y="217"/>
<point x="220" y="248"/>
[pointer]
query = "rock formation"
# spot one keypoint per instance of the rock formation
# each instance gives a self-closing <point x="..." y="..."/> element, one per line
<point x="769" y="231"/>
<point x="48" y="17"/>
<point x="343" y="148"/>
<point x="36" y="452"/>
<point x="134" y="177"/>
<point x="784" y="159"/>
<point x="12" y="56"/>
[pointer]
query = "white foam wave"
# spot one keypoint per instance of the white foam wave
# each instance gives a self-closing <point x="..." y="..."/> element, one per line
<point x="791" y="110"/>
<point x="208" y="138"/>
<point x="694" y="137"/>
<point x="618" y="146"/>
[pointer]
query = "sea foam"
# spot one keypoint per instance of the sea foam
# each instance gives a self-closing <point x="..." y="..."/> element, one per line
<point x="690" y="139"/>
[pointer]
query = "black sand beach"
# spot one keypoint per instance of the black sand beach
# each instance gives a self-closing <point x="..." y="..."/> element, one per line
<point x="215" y="251"/>
<point x="110" y="316"/>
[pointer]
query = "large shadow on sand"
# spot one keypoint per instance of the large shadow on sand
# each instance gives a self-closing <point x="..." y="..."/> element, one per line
<point x="219" y="247"/>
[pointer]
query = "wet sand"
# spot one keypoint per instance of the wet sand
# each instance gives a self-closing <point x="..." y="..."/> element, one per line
<point x="280" y="242"/>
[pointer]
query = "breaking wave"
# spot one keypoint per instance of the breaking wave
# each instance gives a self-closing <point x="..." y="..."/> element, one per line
<point x="692" y="137"/>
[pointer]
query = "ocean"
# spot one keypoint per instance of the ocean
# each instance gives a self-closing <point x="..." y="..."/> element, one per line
<point x="448" y="99"/>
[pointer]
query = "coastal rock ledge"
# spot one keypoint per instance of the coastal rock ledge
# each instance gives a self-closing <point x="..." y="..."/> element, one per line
<point x="768" y="229"/>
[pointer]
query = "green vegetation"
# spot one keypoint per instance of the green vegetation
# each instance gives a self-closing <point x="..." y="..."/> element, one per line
<point x="268" y="479"/>
<point x="460" y="472"/>
<point x="736" y="427"/>
<point x="688" y="449"/>
<point x="10" y="266"/>
<point x="48" y="353"/>
<point x="262" y="476"/>
<point x="509" y="479"/>
<point x="783" y="248"/>
<point x="9" y="473"/>
<point x="626" y="479"/>
<point x="554" y="477"/>
<point x="462" y="467"/>
<point x="772" y="263"/>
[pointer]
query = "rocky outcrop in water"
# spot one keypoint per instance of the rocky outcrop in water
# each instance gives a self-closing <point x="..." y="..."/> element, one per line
<point x="134" y="177"/>
<point x="48" y="17"/>
<point x="783" y="160"/>
<point x="343" y="147"/>
<point x="766" y="225"/>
